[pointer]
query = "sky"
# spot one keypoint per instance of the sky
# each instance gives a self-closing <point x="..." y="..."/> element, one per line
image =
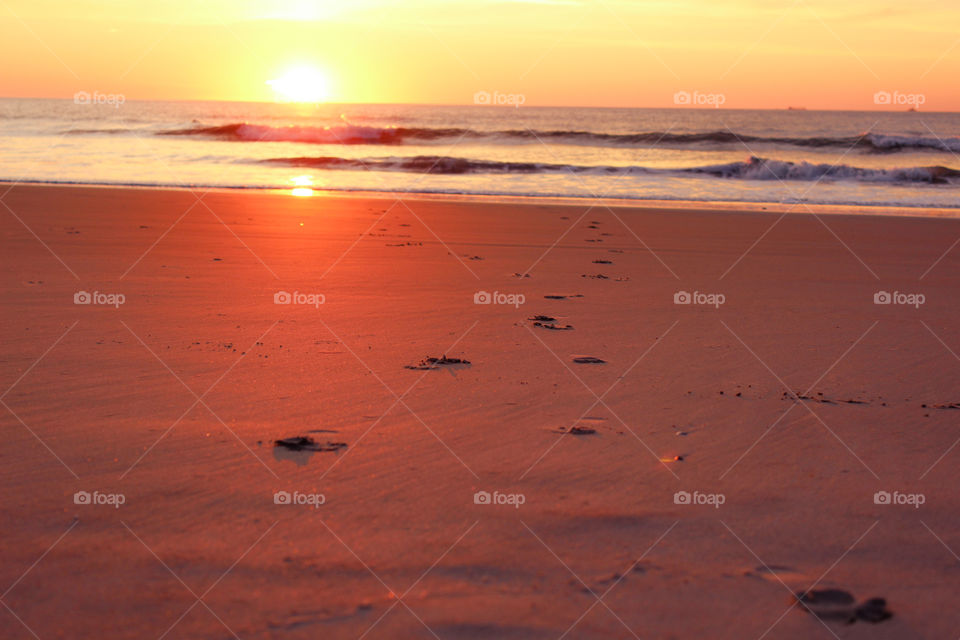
<point x="735" y="54"/>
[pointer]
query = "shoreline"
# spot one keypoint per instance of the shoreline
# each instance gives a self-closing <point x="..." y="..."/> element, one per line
<point x="718" y="206"/>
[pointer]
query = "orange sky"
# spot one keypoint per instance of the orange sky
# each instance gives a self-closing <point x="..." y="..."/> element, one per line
<point x="753" y="53"/>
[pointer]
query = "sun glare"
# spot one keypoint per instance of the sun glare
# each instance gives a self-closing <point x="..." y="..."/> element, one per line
<point x="301" y="84"/>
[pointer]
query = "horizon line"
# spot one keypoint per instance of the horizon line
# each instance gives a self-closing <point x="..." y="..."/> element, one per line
<point x="485" y="106"/>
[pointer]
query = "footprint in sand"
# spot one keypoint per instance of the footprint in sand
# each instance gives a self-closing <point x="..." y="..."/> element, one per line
<point x="585" y="426"/>
<point x="553" y="327"/>
<point x="549" y="322"/>
<point x="828" y="604"/>
<point x="588" y="360"/>
<point x="580" y="430"/>
<point x="947" y="405"/>
<point x="299" y="449"/>
<point x="840" y="605"/>
<point x="435" y="363"/>
<point x="776" y="573"/>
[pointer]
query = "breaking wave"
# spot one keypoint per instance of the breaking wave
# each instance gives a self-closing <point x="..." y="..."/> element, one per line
<point x="753" y="169"/>
<point x="350" y="134"/>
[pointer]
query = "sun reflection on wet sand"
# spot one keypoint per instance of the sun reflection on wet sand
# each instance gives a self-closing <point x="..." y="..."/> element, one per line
<point x="302" y="186"/>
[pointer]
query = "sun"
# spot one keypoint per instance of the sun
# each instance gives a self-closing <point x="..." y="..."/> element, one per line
<point x="301" y="84"/>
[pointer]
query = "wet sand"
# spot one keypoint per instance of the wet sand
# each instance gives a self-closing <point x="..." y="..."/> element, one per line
<point x="625" y="466"/>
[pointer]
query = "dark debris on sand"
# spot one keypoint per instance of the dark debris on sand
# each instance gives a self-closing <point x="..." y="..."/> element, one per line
<point x="588" y="360"/>
<point x="306" y="443"/>
<point x="433" y="363"/>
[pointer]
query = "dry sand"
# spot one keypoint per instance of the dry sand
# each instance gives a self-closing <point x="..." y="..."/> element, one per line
<point x="174" y="399"/>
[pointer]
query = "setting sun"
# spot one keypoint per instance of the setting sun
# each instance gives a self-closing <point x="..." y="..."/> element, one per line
<point x="301" y="84"/>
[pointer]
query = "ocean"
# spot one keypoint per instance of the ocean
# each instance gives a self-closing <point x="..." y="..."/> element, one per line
<point x="863" y="159"/>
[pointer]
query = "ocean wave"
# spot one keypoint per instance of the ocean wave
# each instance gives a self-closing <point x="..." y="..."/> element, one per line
<point x="882" y="142"/>
<point x="753" y="169"/>
<point x="442" y="165"/>
<point x="347" y="134"/>
<point x="764" y="169"/>
<point x="350" y="134"/>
